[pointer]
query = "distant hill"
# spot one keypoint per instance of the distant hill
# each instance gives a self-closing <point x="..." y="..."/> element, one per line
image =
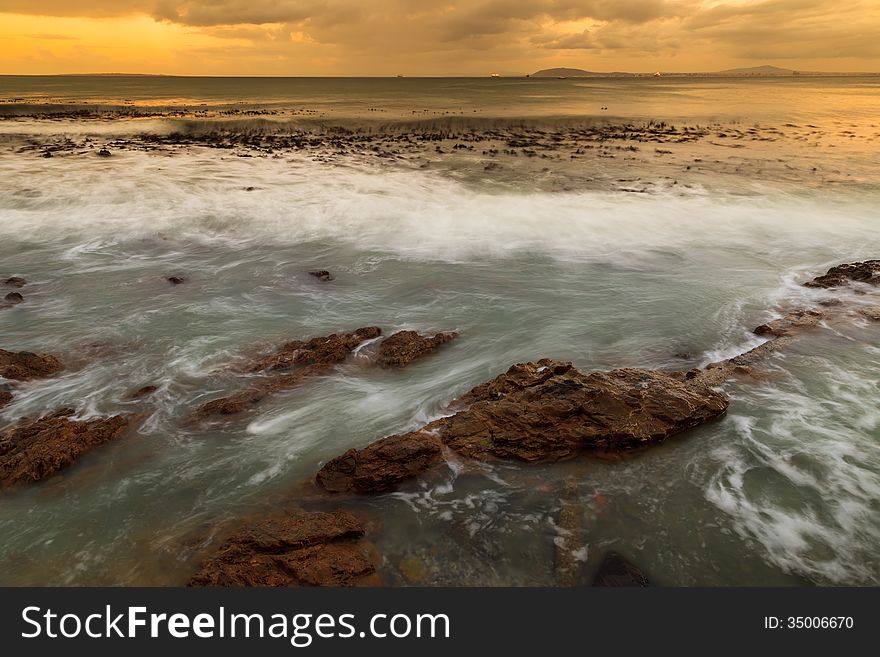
<point x="563" y="73"/>
<point x="757" y="70"/>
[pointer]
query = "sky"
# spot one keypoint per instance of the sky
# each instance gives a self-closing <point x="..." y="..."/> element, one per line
<point x="433" y="37"/>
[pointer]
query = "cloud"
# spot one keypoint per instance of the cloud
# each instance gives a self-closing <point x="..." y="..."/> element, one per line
<point x="449" y="36"/>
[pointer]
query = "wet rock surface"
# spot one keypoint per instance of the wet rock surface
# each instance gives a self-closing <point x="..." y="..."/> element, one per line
<point x="287" y="367"/>
<point x="325" y="350"/>
<point x="25" y="366"/>
<point x="143" y="392"/>
<point x="15" y="281"/>
<point x="796" y="320"/>
<point x="403" y="347"/>
<point x="323" y="275"/>
<point x="545" y="411"/>
<point x="615" y="571"/>
<point x="6" y="397"/>
<point x="34" y="450"/>
<point x="177" y="279"/>
<point x="294" y="549"/>
<point x="14" y="297"/>
<point x="861" y="272"/>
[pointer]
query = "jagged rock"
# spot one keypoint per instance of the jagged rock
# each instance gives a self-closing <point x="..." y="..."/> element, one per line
<point x="146" y="391"/>
<point x="104" y="153"/>
<point x="24" y="365"/>
<point x="616" y="571"/>
<point x="293" y="549"/>
<point x="535" y="412"/>
<point x="14" y="297"/>
<point x="323" y="275"/>
<point x="15" y="281"/>
<point x="383" y="464"/>
<point x="326" y="350"/>
<point x="404" y="347"/>
<point x="862" y="272"/>
<point x="802" y="318"/>
<point x="310" y="358"/>
<point x="34" y="450"/>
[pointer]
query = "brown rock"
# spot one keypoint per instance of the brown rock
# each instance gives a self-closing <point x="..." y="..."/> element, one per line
<point x="14" y="297"/>
<point x="15" y="281"/>
<point x="327" y="350"/>
<point x="862" y="272"/>
<point x="293" y="549"/>
<point x="800" y="319"/>
<point x="146" y="391"/>
<point x="535" y="412"/>
<point x="289" y="366"/>
<point x="381" y="465"/>
<point x="176" y="280"/>
<point x="24" y="366"/>
<point x="5" y="397"/>
<point x="404" y="347"/>
<point x="323" y="275"/>
<point x="32" y="451"/>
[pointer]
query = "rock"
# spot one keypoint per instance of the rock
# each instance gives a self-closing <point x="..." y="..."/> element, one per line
<point x="535" y="412"/>
<point x="146" y="391"/>
<point x="404" y="347"/>
<point x="323" y="275"/>
<point x="14" y="297"/>
<point x="871" y="312"/>
<point x="5" y="397"/>
<point x="862" y="272"/>
<point x="616" y="571"/>
<point x="34" y="450"/>
<point x="383" y="464"/>
<point x="413" y="570"/>
<point x="326" y="350"/>
<point x="289" y="365"/>
<point x="802" y="318"/>
<point x="104" y="153"/>
<point x="293" y="549"/>
<point x="15" y="281"/>
<point x="24" y="366"/>
<point x="176" y="280"/>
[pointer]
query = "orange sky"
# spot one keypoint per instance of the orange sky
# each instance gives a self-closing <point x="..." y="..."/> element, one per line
<point x="430" y="37"/>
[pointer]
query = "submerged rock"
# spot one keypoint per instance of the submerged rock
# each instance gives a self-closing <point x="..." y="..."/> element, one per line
<point x="14" y="297"/>
<point x="534" y="412"/>
<point x="15" y="281"/>
<point x="871" y="312"/>
<point x="323" y="275"/>
<point x="32" y="451"/>
<point x="177" y="280"/>
<point x="289" y="366"/>
<point x="861" y="272"/>
<point x="326" y="350"/>
<point x="146" y="391"/>
<point x="800" y="319"/>
<point x="404" y="347"/>
<point x="24" y="365"/>
<point x="293" y="549"/>
<point x="616" y="571"/>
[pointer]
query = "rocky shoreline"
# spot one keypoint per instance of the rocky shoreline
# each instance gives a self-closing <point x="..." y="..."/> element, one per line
<point x="535" y="412"/>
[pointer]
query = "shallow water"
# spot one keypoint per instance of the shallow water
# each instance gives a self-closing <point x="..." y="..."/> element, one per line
<point x="783" y="490"/>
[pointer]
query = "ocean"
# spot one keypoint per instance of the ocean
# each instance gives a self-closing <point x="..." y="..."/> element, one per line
<point x="647" y="222"/>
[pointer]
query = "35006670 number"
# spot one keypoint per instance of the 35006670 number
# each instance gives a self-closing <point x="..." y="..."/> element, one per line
<point x="809" y="622"/>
